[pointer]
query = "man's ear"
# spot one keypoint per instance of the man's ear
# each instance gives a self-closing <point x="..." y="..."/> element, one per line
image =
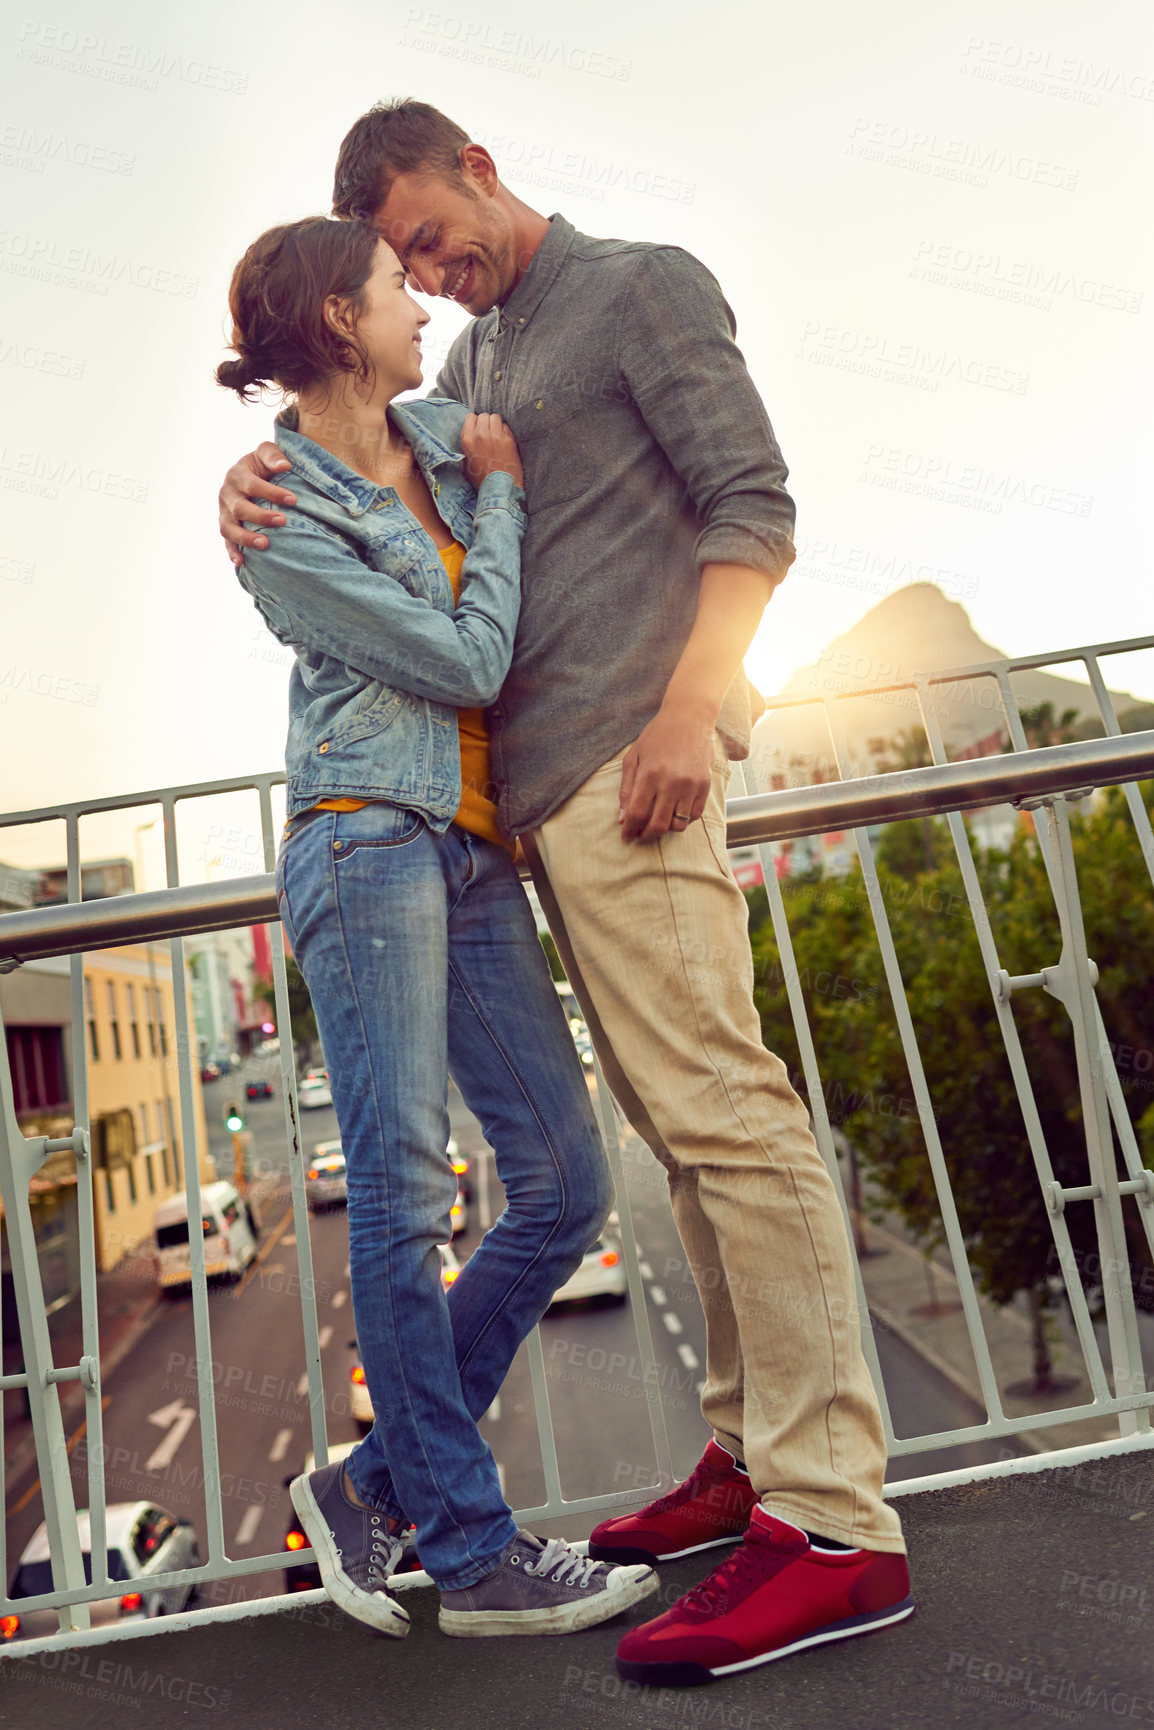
<point x="479" y="169"/>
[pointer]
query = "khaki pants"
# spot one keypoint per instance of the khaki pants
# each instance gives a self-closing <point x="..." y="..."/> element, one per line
<point x="654" y="939"/>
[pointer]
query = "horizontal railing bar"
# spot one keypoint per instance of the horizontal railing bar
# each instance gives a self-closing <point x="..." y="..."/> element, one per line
<point x="784" y="815"/>
<point x="155" y="796"/>
<point x="790" y="813"/>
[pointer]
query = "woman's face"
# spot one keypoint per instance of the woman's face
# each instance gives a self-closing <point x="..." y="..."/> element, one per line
<point x="388" y="325"/>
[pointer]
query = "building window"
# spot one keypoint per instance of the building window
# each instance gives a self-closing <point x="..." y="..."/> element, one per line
<point x="109" y="1196"/>
<point x="150" y="997"/>
<point x="114" y="1018"/>
<point x="164" y="1163"/>
<point x="150" y="1174"/>
<point x="172" y="1141"/>
<point x="134" y="1025"/>
<point x="90" y="1012"/>
<point x="36" y="1061"/>
<point x="131" y="1183"/>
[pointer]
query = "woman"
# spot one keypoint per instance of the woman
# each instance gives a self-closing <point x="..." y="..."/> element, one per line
<point x="397" y="585"/>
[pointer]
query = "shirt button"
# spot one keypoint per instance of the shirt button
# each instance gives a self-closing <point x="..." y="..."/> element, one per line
<point x="496" y="375"/>
<point x="520" y="321"/>
<point x="323" y="748"/>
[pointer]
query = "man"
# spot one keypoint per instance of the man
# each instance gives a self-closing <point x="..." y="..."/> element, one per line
<point x="658" y="528"/>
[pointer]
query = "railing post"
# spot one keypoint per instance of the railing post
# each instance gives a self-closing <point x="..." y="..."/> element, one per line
<point x="20" y="1159"/>
<point x="1073" y="984"/>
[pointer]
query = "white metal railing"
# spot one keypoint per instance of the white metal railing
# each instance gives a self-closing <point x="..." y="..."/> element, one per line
<point x="1041" y="778"/>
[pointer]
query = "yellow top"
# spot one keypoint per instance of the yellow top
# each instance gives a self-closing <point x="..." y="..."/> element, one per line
<point x="478" y="810"/>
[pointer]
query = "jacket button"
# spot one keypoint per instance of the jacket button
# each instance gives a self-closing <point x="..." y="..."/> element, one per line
<point x="496" y="375"/>
<point x="539" y="404"/>
<point x="337" y="845"/>
<point x="323" y="748"/>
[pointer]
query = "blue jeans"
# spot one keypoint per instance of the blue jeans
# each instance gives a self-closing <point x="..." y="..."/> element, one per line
<point x="422" y="958"/>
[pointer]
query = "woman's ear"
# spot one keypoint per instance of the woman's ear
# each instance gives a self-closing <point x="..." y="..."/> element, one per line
<point x="340" y="315"/>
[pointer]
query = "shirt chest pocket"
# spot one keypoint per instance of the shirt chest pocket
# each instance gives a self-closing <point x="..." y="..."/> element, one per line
<point x="554" y="432"/>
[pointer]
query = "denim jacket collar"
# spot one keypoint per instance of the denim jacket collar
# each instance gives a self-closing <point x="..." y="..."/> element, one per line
<point x="432" y="426"/>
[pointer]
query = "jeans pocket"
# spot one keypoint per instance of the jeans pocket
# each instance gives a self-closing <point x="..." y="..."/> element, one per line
<point x="376" y="827"/>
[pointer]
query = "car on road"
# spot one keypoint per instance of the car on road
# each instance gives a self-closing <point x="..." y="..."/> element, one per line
<point x="230" y="1230"/>
<point x="314" y="1090"/>
<point x="268" y="1048"/>
<point x="143" y="1541"/>
<point x="258" y="1089"/>
<point x="360" y="1405"/>
<point x="600" y="1275"/>
<point x="210" y="1072"/>
<point x="460" y="1167"/>
<point x="459" y="1213"/>
<point x="325" y="1180"/>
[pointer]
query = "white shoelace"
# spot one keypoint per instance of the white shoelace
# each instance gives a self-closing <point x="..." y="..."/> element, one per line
<point x="572" y="1568"/>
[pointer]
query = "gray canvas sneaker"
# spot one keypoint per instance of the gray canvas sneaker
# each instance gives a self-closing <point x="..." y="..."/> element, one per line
<point x="354" y="1548"/>
<point x="543" y="1588"/>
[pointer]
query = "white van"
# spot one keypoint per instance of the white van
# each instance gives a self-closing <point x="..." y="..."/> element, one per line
<point x="230" y="1234"/>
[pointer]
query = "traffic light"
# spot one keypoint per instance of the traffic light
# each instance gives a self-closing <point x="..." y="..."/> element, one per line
<point x="233" y="1121"/>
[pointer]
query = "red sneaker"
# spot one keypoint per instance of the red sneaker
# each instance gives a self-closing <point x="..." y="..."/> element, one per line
<point x="712" y="1506"/>
<point x="774" y="1596"/>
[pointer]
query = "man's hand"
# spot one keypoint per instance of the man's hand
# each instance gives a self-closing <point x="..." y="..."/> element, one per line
<point x="247" y="481"/>
<point x="666" y="774"/>
<point x="488" y="444"/>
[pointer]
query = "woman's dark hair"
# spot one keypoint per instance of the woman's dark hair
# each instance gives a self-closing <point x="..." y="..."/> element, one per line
<point x="401" y="137"/>
<point x="277" y="300"/>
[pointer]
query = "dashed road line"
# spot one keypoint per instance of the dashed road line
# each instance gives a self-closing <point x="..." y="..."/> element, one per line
<point x="324" y="1337"/>
<point x="246" y="1531"/>
<point x="644" y="1270"/>
<point x="303" y="1386"/>
<point x="280" y="1445"/>
<point x="671" y="1322"/>
<point x="340" y="1298"/>
<point x="657" y="1293"/>
<point x="687" y="1355"/>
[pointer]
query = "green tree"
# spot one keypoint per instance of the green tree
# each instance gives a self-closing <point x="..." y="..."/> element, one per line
<point x="305" y="1037"/>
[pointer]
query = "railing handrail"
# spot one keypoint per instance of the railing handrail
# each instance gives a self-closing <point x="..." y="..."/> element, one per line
<point x="787" y="814"/>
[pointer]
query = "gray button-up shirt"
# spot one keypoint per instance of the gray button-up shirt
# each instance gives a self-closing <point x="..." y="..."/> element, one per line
<point x="648" y="454"/>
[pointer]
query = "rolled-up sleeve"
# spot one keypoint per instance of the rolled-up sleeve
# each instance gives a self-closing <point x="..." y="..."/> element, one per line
<point x="690" y="382"/>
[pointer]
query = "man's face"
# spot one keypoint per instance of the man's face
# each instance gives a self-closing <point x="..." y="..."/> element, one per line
<point x="451" y="238"/>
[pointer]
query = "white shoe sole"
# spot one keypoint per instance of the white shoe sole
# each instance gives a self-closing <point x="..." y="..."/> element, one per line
<point x="558" y="1619"/>
<point x="374" y="1609"/>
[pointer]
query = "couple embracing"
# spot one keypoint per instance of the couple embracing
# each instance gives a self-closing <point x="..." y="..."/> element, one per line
<point x="519" y="608"/>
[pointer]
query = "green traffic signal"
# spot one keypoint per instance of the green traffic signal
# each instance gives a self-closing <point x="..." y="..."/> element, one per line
<point x="233" y="1120"/>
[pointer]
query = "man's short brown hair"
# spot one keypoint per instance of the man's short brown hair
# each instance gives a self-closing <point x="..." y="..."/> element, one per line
<point x="399" y="137"/>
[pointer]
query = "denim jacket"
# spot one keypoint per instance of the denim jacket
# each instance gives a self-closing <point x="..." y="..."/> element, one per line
<point x="356" y="586"/>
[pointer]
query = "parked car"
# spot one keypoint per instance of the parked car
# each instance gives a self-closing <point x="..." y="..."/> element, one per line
<point x="230" y="1230"/>
<point x="268" y="1048"/>
<point x="314" y="1090"/>
<point x="459" y="1213"/>
<point x="360" y="1405"/>
<point x="325" y="1180"/>
<point x="210" y="1072"/>
<point x="143" y="1541"/>
<point x="258" y="1089"/>
<point x="601" y="1274"/>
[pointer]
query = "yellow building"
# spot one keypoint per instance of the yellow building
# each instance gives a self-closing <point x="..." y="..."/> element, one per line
<point x="138" y="1147"/>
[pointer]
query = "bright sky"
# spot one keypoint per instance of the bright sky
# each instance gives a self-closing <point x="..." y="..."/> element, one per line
<point x="933" y="228"/>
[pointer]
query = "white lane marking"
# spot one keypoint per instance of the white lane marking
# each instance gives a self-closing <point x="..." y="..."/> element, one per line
<point x="340" y="1299"/>
<point x="177" y="1419"/>
<point x="303" y="1386"/>
<point x="657" y="1293"/>
<point x="246" y="1531"/>
<point x="494" y="1412"/>
<point x="687" y="1355"/>
<point x="324" y="1337"/>
<point x="280" y="1445"/>
<point x="671" y="1321"/>
<point x="289" y="1239"/>
<point x="501" y="1476"/>
<point x="701" y="1387"/>
<point x="645" y="1270"/>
